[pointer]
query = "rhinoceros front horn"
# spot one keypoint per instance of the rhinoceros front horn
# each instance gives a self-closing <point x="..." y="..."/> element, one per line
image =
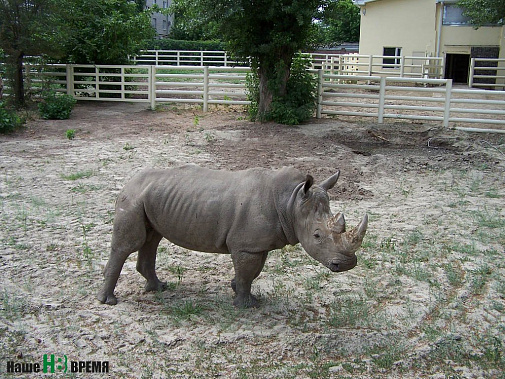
<point x="353" y="238"/>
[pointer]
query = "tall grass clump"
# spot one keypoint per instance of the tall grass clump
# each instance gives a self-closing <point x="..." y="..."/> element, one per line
<point x="9" y="120"/>
<point x="56" y="106"/>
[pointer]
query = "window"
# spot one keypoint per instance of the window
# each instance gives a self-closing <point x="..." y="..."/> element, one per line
<point x="164" y="24"/>
<point x="394" y="53"/>
<point x="453" y="15"/>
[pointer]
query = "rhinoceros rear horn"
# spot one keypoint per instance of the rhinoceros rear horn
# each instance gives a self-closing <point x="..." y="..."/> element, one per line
<point x="337" y="223"/>
<point x="330" y="182"/>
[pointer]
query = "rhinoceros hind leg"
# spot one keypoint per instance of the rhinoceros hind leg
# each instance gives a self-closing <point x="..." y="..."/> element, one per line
<point x="247" y="267"/>
<point x="146" y="262"/>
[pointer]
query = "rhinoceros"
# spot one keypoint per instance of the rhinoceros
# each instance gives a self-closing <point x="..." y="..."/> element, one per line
<point x="243" y="213"/>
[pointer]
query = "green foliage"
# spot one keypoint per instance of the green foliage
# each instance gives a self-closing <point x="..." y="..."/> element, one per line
<point x="104" y="31"/>
<point x="253" y="94"/>
<point x="191" y="23"/>
<point x="339" y="22"/>
<point x="56" y="106"/>
<point x="70" y="133"/>
<point x="297" y="104"/>
<point x="9" y="120"/>
<point x="484" y="12"/>
<point x="269" y="32"/>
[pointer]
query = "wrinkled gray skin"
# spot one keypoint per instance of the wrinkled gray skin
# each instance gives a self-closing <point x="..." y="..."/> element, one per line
<point x="244" y="213"/>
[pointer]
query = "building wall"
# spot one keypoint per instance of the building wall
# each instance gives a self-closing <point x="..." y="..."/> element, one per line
<point x="408" y="24"/>
<point x="413" y="26"/>
<point x="160" y="22"/>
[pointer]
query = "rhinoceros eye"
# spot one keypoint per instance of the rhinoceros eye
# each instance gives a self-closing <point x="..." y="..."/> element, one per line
<point x="317" y="235"/>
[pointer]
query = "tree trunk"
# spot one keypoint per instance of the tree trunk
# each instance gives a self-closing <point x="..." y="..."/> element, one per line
<point x="16" y="63"/>
<point x="266" y="94"/>
<point x="275" y="73"/>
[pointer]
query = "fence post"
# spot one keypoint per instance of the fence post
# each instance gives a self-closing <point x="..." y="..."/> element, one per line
<point x="70" y="79"/>
<point x="152" y="86"/>
<point x="319" y="93"/>
<point x="472" y="69"/>
<point x="382" y="96"/>
<point x="402" y="66"/>
<point x="205" y="88"/>
<point x="370" y="65"/>
<point x="447" y="109"/>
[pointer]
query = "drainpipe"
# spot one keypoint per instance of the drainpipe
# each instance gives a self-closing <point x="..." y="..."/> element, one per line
<point x="439" y="34"/>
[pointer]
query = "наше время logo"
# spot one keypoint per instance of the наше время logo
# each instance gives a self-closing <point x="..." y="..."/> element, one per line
<point x="54" y="364"/>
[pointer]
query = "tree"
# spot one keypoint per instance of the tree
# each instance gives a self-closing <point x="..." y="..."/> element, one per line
<point x="484" y="12"/>
<point x="269" y="33"/>
<point x="27" y="27"/>
<point x="77" y="31"/>
<point x="190" y="22"/>
<point x="340" y="21"/>
<point x="104" y="31"/>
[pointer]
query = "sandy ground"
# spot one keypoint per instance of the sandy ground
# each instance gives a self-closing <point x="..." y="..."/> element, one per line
<point x="427" y="298"/>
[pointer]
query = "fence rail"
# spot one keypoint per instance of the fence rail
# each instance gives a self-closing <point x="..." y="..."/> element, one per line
<point x="340" y="64"/>
<point x="487" y="73"/>
<point x="375" y="96"/>
<point x="407" y="98"/>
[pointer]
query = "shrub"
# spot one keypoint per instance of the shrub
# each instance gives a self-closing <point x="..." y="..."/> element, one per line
<point x="299" y="102"/>
<point x="174" y="44"/>
<point x="56" y="107"/>
<point x="9" y="120"/>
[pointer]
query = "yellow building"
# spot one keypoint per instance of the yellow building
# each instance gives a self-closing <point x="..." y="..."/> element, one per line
<point x="427" y="28"/>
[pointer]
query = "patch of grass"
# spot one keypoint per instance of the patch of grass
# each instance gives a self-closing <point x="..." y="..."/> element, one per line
<point x="70" y="134"/>
<point x="77" y="175"/>
<point x="492" y="193"/>
<point x="127" y="147"/>
<point x="349" y="312"/>
<point x="454" y="274"/>
<point x="83" y="188"/>
<point x="186" y="309"/>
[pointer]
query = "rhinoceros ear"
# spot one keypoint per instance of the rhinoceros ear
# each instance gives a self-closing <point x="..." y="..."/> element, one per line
<point x="330" y="182"/>
<point x="309" y="180"/>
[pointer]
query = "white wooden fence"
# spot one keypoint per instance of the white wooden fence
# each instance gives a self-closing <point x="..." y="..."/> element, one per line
<point x="487" y="72"/>
<point x="359" y="95"/>
<point x="340" y="64"/>
<point x="185" y="58"/>
<point x="409" y="98"/>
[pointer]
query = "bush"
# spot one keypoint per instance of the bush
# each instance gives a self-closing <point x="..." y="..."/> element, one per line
<point x="9" y="120"/>
<point x="298" y="104"/>
<point x="175" y="44"/>
<point x="56" y="107"/>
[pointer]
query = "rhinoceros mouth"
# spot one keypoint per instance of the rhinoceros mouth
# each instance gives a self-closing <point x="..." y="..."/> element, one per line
<point x="340" y="266"/>
<point x="334" y="267"/>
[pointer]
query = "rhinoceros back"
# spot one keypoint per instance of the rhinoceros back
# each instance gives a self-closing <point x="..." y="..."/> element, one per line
<point x="210" y="210"/>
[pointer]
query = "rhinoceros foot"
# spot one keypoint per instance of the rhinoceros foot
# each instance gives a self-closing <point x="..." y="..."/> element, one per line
<point x="109" y="299"/>
<point x="157" y="285"/>
<point x="248" y="301"/>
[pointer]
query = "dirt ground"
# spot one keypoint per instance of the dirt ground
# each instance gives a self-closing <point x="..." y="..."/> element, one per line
<point x="426" y="300"/>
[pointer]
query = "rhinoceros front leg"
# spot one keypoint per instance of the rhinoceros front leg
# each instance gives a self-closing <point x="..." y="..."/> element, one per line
<point x="146" y="262"/>
<point x="247" y="267"/>
<point x="128" y="236"/>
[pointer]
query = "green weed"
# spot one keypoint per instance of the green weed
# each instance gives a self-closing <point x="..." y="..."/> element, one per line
<point x="78" y="175"/>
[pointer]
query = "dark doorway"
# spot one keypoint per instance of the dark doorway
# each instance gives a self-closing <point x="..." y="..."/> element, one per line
<point x="457" y="67"/>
